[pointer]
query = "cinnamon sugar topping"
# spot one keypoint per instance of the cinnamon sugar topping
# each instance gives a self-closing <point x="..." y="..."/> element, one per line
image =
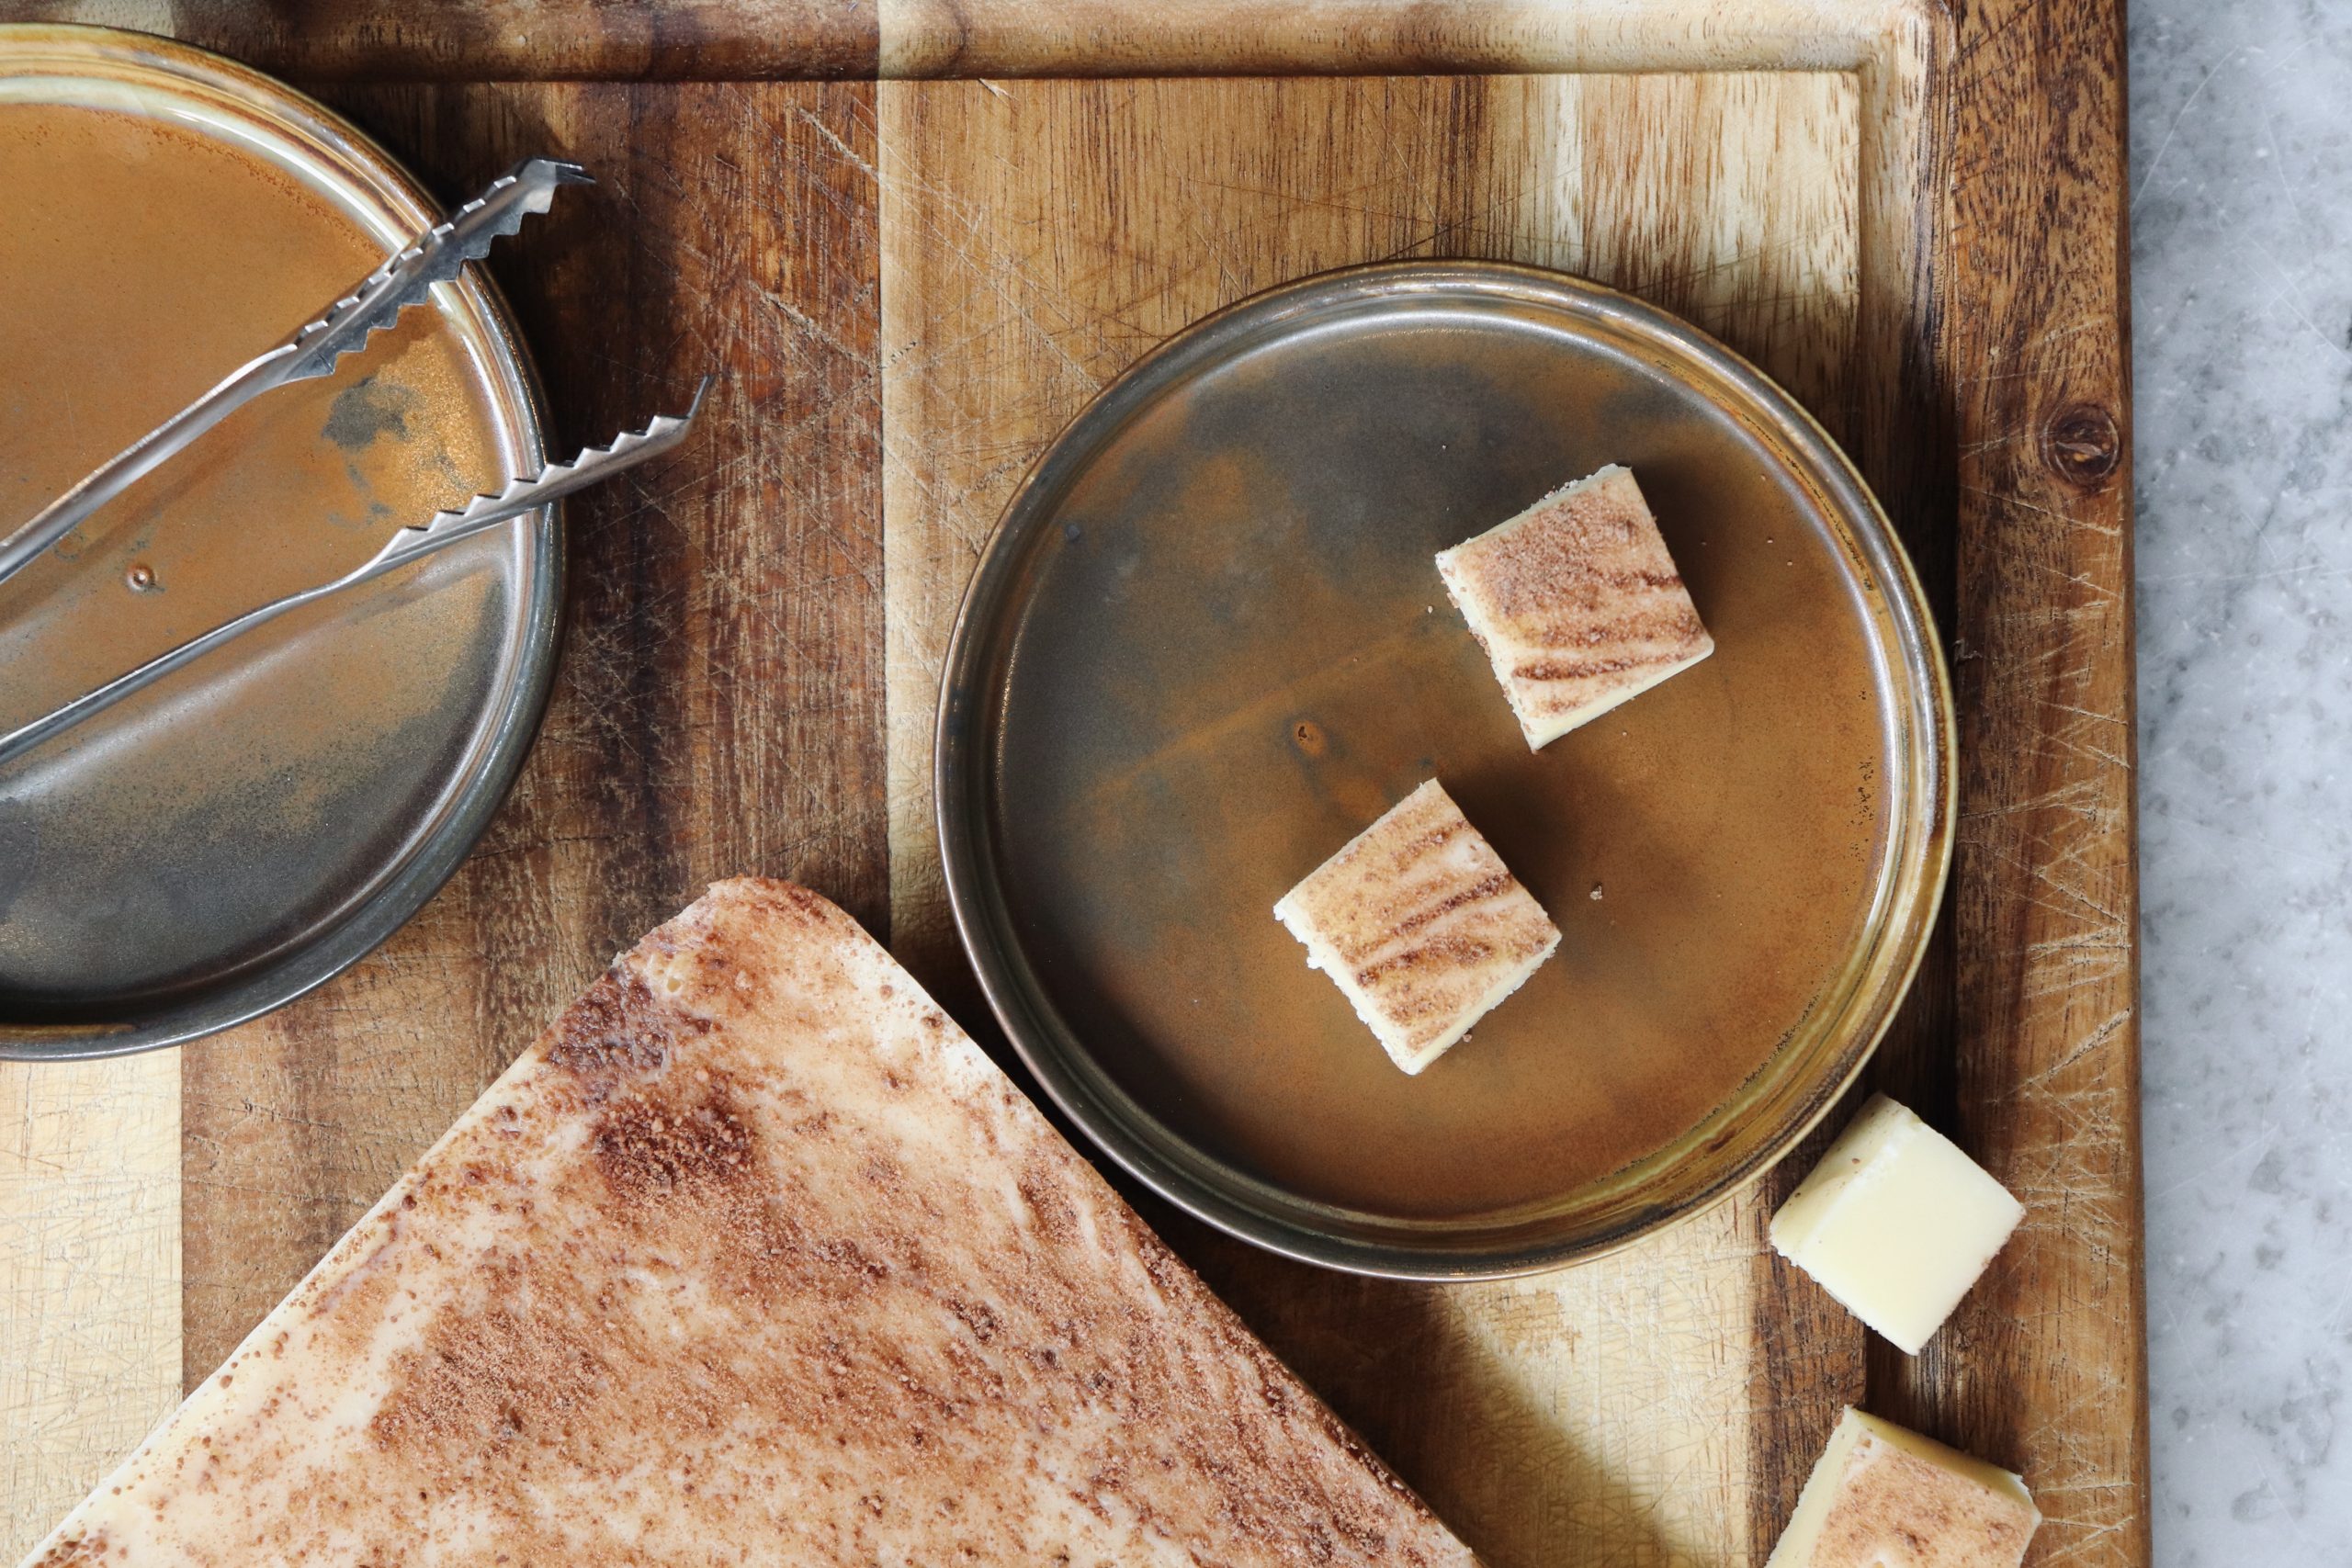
<point x="1421" y="925"/>
<point x="753" y="1257"/>
<point x="1577" y="603"/>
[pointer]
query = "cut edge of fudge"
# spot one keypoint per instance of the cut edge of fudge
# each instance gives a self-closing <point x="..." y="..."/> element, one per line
<point x="1386" y="973"/>
<point x="1882" y="1494"/>
<point x="1556" y="684"/>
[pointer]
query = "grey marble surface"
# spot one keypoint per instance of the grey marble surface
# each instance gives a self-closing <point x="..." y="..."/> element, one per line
<point x="2242" y="300"/>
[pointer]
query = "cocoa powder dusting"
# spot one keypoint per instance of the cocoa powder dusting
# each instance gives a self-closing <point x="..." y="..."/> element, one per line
<point x="650" y="1149"/>
<point x="798" y="1280"/>
<point x="1891" y="1499"/>
<point x="1421" y="914"/>
<point x="614" y="1034"/>
<point x="1597" y="540"/>
<point x="486" y="1381"/>
<point x="81" y="1551"/>
<point x="1580" y="597"/>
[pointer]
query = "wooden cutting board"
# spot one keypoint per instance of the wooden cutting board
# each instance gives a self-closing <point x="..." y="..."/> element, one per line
<point x="1915" y="220"/>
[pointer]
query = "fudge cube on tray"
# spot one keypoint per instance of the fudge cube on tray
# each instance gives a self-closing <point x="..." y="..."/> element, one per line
<point x="1421" y="925"/>
<point x="1577" y="603"/>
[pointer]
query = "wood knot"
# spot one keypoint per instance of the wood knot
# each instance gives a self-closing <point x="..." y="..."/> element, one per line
<point x="2083" y="442"/>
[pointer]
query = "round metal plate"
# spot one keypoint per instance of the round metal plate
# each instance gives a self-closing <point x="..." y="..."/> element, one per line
<point x="247" y="829"/>
<point x="1208" y="645"/>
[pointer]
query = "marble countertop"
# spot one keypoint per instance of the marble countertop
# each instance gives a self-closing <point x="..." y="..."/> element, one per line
<point x="2242" y="304"/>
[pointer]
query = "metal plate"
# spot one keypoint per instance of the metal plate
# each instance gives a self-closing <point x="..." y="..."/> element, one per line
<point x="1208" y="645"/>
<point x="250" y="827"/>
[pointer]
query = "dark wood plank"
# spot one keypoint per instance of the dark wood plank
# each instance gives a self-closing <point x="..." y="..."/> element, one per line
<point x="719" y="704"/>
<point x="539" y="40"/>
<point x="2046" y="1361"/>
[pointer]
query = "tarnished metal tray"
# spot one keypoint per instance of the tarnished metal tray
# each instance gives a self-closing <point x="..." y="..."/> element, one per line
<point x="1208" y="645"/>
<point x="258" y="822"/>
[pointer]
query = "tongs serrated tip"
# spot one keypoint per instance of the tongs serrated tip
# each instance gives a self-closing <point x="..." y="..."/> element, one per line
<point x="437" y="256"/>
<point x="522" y="494"/>
<point x="405" y="278"/>
<point x="442" y="529"/>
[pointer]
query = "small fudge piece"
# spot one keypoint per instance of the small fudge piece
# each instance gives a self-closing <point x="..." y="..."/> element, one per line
<point x="1895" y="1223"/>
<point x="1421" y="924"/>
<point x="1577" y="604"/>
<point x="1885" y="1497"/>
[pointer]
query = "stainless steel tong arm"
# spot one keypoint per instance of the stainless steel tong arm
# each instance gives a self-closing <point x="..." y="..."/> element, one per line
<point x="440" y="530"/>
<point x="438" y="255"/>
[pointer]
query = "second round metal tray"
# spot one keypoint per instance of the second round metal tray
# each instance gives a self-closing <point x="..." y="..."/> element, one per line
<point x="1208" y="645"/>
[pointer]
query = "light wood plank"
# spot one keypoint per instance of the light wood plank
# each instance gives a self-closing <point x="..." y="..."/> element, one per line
<point x="89" y="1277"/>
<point x="1036" y="238"/>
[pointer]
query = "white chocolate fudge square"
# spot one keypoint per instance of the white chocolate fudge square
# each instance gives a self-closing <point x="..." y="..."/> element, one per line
<point x="1895" y="1223"/>
<point x="1422" y="926"/>
<point x="1885" y="1497"/>
<point x="1577" y="603"/>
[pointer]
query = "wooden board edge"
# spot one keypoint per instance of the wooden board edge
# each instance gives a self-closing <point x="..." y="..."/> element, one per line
<point x="1201" y="38"/>
<point x="553" y="40"/>
<point x="449" y="40"/>
<point x="2046" y="883"/>
<point x="2036" y="232"/>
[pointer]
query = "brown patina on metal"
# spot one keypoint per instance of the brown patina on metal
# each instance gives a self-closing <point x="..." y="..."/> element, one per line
<point x="1211" y="645"/>
<point x="229" y="838"/>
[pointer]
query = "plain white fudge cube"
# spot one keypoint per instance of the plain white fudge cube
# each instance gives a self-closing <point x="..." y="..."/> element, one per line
<point x="1422" y="926"/>
<point x="1577" y="604"/>
<point x="1895" y="1223"/>
<point x="1882" y="1497"/>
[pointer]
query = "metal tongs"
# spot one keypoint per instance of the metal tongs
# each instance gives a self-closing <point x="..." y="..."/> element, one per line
<point x="438" y="255"/>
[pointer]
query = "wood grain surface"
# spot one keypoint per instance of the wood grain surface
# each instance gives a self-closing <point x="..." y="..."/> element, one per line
<point x="1036" y="238"/>
<point x="89" y="1277"/>
<point x="1915" y="217"/>
<point x="2045" y="1084"/>
<point x="508" y="40"/>
<point x="718" y="706"/>
<point x="321" y="40"/>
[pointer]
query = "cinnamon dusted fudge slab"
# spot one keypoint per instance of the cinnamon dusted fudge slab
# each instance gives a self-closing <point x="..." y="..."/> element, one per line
<point x="1577" y="603"/>
<point x="752" y="1259"/>
<point x="1882" y="1497"/>
<point x="1421" y="925"/>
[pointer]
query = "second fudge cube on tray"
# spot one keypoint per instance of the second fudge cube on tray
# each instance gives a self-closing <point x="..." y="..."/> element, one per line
<point x="1421" y="925"/>
<point x="1577" y="604"/>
